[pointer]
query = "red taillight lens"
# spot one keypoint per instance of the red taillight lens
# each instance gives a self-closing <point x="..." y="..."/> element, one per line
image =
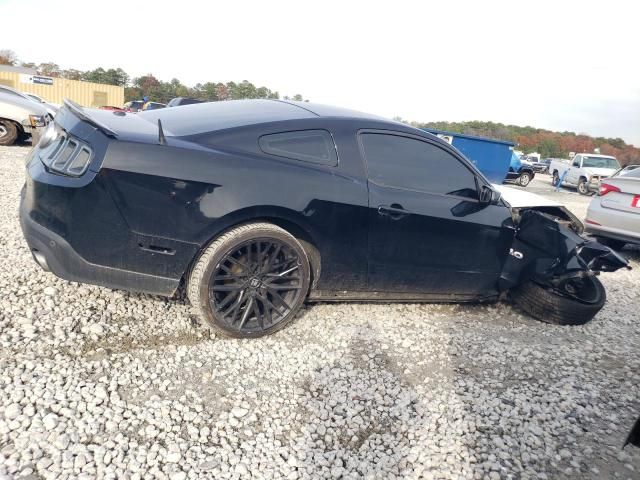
<point x="606" y="188"/>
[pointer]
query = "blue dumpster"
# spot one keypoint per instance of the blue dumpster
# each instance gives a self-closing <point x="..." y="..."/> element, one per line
<point x="491" y="157"/>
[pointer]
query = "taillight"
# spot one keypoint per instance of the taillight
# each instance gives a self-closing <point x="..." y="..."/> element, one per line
<point x="67" y="156"/>
<point x="606" y="188"/>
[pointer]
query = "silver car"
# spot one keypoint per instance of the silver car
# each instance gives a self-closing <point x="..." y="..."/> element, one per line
<point x="614" y="215"/>
<point x="20" y="118"/>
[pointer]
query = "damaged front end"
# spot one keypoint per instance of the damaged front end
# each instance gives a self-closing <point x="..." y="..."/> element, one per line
<point x="548" y="250"/>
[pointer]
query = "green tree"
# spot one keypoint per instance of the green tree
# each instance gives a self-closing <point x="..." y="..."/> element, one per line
<point x="113" y="76"/>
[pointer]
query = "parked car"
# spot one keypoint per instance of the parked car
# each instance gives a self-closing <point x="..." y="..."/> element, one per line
<point x="585" y="171"/>
<point x="140" y="105"/>
<point x="178" y="101"/>
<point x="625" y="170"/>
<point x="614" y="215"/>
<point x="20" y="118"/>
<point x="153" y="106"/>
<point x="112" y="108"/>
<point x="51" y="109"/>
<point x="541" y="166"/>
<point x="259" y="205"/>
<point x="520" y="172"/>
<point x="134" y="106"/>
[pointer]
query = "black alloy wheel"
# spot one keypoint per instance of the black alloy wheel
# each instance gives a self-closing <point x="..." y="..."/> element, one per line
<point x="251" y="281"/>
<point x="584" y="290"/>
<point x="255" y="285"/>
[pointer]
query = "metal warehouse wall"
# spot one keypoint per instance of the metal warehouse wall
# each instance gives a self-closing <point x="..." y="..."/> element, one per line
<point x="86" y="94"/>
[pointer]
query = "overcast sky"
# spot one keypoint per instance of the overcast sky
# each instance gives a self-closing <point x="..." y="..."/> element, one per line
<point x="560" y="65"/>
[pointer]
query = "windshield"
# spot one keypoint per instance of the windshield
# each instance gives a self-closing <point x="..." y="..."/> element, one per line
<point x="600" y="162"/>
<point x="635" y="173"/>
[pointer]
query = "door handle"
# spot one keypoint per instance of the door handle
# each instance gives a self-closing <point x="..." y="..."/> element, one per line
<point x="395" y="211"/>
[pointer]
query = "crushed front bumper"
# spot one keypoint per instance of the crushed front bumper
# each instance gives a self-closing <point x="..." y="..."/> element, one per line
<point x="546" y="250"/>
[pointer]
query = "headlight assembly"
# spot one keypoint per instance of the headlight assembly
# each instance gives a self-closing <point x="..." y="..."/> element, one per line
<point x="37" y="120"/>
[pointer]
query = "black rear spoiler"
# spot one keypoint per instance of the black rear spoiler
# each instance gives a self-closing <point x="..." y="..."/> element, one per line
<point x="79" y="112"/>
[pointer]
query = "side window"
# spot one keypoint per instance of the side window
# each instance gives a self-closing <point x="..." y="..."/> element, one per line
<point x="404" y="162"/>
<point x="576" y="161"/>
<point x="313" y="146"/>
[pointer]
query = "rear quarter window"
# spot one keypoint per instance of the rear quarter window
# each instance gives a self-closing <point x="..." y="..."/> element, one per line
<point x="312" y="146"/>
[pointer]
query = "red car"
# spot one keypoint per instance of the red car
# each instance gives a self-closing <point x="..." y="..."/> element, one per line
<point x="111" y="108"/>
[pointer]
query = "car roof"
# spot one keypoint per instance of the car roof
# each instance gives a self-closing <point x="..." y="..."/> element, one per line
<point x="596" y="155"/>
<point x="211" y="116"/>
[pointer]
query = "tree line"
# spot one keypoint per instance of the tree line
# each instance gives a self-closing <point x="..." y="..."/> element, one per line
<point x="549" y="144"/>
<point x="529" y="139"/>
<point x="148" y="85"/>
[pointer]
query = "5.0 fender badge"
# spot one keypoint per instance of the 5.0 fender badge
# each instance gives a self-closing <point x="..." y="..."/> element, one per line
<point x="515" y="253"/>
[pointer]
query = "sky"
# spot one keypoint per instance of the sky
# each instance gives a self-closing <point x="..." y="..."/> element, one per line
<point x="560" y="65"/>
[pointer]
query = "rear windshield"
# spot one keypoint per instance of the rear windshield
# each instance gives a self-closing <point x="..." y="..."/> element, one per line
<point x="600" y="162"/>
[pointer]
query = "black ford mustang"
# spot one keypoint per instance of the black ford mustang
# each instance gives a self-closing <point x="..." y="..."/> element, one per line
<point x="260" y="205"/>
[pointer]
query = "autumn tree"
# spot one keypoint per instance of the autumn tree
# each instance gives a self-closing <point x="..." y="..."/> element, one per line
<point x="8" y="57"/>
<point x="49" y="69"/>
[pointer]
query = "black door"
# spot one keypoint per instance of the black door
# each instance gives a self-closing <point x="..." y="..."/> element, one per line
<point x="428" y="233"/>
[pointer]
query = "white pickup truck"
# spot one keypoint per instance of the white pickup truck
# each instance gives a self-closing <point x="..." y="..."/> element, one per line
<point x="583" y="172"/>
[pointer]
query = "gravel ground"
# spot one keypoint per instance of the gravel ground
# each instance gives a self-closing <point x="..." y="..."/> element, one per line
<point x="109" y="384"/>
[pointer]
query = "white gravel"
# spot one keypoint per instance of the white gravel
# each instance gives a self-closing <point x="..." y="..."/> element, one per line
<point x="96" y="383"/>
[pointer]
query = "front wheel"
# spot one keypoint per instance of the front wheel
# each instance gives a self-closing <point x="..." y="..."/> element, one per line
<point x="251" y="281"/>
<point x="524" y="179"/>
<point x="8" y="132"/>
<point x="583" y="187"/>
<point x="573" y="303"/>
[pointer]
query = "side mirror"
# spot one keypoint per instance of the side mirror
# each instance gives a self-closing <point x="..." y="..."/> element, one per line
<point x="488" y="195"/>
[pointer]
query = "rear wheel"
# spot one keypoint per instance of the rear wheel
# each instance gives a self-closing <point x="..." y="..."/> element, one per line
<point x="251" y="281"/>
<point x="574" y="302"/>
<point x="8" y="132"/>
<point x="583" y="187"/>
<point x="524" y="179"/>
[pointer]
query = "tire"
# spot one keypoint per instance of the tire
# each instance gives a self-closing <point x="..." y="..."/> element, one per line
<point x="524" y="179"/>
<point x="8" y="132"/>
<point x="612" y="243"/>
<point x="583" y="186"/>
<point x="555" y="179"/>
<point x="549" y="306"/>
<point x="254" y="297"/>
